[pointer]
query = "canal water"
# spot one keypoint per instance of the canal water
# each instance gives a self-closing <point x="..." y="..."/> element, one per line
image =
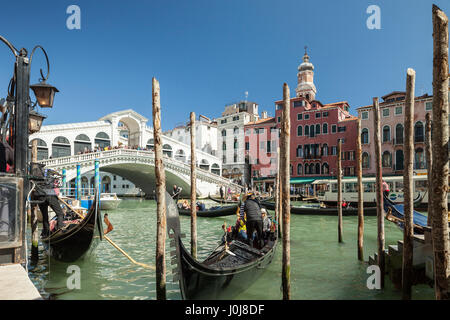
<point x="321" y="268"/>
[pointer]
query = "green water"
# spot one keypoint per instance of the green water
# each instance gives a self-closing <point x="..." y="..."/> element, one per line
<point x="321" y="268"/>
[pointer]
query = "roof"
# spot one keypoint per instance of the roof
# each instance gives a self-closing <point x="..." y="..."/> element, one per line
<point x="393" y="93"/>
<point x="261" y="121"/>
<point x="126" y="112"/>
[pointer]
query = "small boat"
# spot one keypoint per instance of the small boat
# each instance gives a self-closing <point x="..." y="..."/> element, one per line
<point x="78" y="237"/>
<point x="226" y="272"/>
<point x="323" y="211"/>
<point x="223" y="201"/>
<point x="211" y="212"/>
<point x="109" y="201"/>
<point x="396" y="213"/>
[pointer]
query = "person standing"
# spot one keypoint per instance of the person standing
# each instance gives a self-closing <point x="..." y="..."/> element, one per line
<point x="386" y="189"/>
<point x="221" y="192"/>
<point x="254" y="222"/>
<point x="176" y="192"/>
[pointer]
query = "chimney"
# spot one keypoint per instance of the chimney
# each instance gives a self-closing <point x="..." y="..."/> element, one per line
<point x="264" y="115"/>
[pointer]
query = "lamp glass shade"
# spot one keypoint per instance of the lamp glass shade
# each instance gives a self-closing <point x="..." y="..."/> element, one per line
<point x="35" y="122"/>
<point x="44" y="93"/>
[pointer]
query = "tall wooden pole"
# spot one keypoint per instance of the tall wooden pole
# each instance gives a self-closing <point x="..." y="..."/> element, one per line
<point x="408" y="187"/>
<point x="34" y="221"/>
<point x="379" y="191"/>
<point x="429" y="158"/>
<point x="285" y="187"/>
<point x="277" y="195"/>
<point x="360" y="195"/>
<point x="440" y="155"/>
<point x="160" y="194"/>
<point x="193" y="191"/>
<point x="339" y="181"/>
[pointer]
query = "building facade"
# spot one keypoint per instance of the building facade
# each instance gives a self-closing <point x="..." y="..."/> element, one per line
<point x="231" y="139"/>
<point x="316" y="129"/>
<point x="261" y="143"/>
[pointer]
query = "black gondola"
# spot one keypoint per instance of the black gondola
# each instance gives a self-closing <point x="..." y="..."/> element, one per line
<point x="73" y="242"/>
<point x="212" y="212"/>
<point x="225" y="273"/>
<point x="223" y="201"/>
<point x="327" y="211"/>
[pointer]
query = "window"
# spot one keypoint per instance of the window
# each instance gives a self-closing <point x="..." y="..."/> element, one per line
<point x="299" y="116"/>
<point x="269" y="146"/>
<point x="333" y="128"/>
<point x="279" y="106"/>
<point x="235" y="145"/>
<point x="298" y="104"/>
<point x="365" y="136"/>
<point x="279" y="119"/>
<point x="419" y="159"/>
<point x="325" y="150"/>
<point x="429" y="106"/>
<point x="262" y="145"/>
<point x="235" y="158"/>
<point x="299" y="169"/>
<point x="306" y="130"/>
<point x="386" y="159"/>
<point x="386" y="134"/>
<point x="398" y="110"/>
<point x="224" y="145"/>
<point x="350" y="187"/>
<point x="325" y="168"/>
<point x="399" y="134"/>
<point x="299" y="131"/>
<point x="341" y="129"/>
<point x="385" y="112"/>
<point x="333" y="150"/>
<point x="236" y="130"/>
<point x="318" y="115"/>
<point x="399" y="160"/>
<point x="365" y="115"/>
<point x="224" y="133"/>
<point x="306" y="116"/>
<point x="261" y="130"/>
<point x="365" y="159"/>
<point x="325" y="128"/>
<point x="419" y="132"/>
<point x="325" y="114"/>
<point x="235" y="118"/>
<point x="311" y="131"/>
<point x="299" y="151"/>
<point x="317" y="129"/>
<point x="247" y="146"/>
<point x="256" y="131"/>
<point x="223" y="121"/>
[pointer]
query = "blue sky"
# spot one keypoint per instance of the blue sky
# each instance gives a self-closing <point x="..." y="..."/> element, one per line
<point x="208" y="53"/>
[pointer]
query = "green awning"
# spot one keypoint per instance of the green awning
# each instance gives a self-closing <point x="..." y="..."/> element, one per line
<point x="302" y="180"/>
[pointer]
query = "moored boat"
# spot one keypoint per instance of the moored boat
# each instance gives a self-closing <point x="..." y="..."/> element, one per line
<point x="78" y="237"/>
<point x="109" y="201"/>
<point x="225" y="273"/>
<point x="211" y="212"/>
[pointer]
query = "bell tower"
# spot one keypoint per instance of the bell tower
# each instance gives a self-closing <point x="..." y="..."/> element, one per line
<point x="305" y="77"/>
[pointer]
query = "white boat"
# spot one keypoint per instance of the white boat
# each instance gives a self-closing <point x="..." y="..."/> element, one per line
<point x="109" y="201"/>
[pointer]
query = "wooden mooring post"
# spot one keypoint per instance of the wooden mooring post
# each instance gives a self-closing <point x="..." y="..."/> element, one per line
<point x="429" y="158"/>
<point x="278" y="195"/>
<point x="440" y="155"/>
<point x="160" y="175"/>
<point x="408" y="187"/>
<point x="360" y="194"/>
<point x="379" y="192"/>
<point x="339" y="190"/>
<point x="285" y="191"/>
<point x="193" y="191"/>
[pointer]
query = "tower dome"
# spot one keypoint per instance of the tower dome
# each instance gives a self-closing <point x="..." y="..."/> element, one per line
<point x="305" y="76"/>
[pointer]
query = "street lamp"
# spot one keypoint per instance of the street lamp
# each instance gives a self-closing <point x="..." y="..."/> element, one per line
<point x="35" y="122"/>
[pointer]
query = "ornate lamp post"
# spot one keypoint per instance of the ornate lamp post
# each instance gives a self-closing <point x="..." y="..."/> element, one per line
<point x="18" y="111"/>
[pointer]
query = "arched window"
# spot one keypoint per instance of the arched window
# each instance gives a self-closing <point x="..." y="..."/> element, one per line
<point x="215" y="169"/>
<point x="167" y="150"/>
<point x="419" y="159"/>
<point x="399" y="160"/>
<point x="386" y="159"/>
<point x="399" y="134"/>
<point x="224" y="146"/>
<point x="317" y="168"/>
<point x="299" y="169"/>
<point x="179" y="155"/>
<point x="419" y="132"/>
<point x="311" y="130"/>
<point x="224" y="133"/>
<point x="365" y="136"/>
<point x="365" y="159"/>
<point x="325" y="150"/>
<point x="82" y="144"/>
<point x="236" y="130"/>
<point x="317" y="129"/>
<point x="386" y="134"/>
<point x="235" y="144"/>
<point x="325" y="168"/>
<point x="60" y="147"/>
<point x="306" y="130"/>
<point x="306" y="168"/>
<point x="150" y="144"/>
<point x="106" y="184"/>
<point x="325" y="128"/>
<point x="204" y="164"/>
<point x="42" y="150"/>
<point x="102" y="140"/>
<point x="299" y="131"/>
<point x="291" y="169"/>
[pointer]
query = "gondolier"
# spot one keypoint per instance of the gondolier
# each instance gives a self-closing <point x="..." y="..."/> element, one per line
<point x="176" y="192"/>
<point x="254" y="220"/>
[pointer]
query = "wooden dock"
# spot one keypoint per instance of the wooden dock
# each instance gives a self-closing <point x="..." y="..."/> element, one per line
<point x="15" y="284"/>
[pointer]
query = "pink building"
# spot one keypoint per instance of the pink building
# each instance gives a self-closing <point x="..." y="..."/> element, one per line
<point x="392" y="110"/>
<point x="261" y="142"/>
